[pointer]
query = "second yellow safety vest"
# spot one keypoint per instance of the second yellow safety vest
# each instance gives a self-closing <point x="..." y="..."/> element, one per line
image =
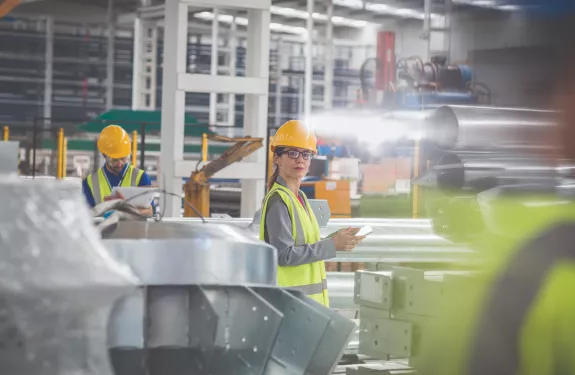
<point x="310" y="279"/>
<point x="100" y="187"/>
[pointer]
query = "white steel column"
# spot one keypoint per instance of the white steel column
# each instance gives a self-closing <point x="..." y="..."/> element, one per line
<point x="214" y="66"/>
<point x="278" y="114"/>
<point x="144" y="64"/>
<point x="328" y="67"/>
<point x="233" y="43"/>
<point x="173" y="103"/>
<point x="48" y="69"/>
<point x="256" y="106"/>
<point x="308" y="61"/>
<point x="110" y="57"/>
<point x="255" y="87"/>
<point x="136" y="66"/>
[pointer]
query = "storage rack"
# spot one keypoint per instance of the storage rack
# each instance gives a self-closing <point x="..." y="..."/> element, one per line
<point x="79" y="74"/>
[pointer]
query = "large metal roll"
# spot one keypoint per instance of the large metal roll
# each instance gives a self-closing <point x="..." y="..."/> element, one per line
<point x="468" y="128"/>
<point x="481" y="170"/>
<point x="392" y="240"/>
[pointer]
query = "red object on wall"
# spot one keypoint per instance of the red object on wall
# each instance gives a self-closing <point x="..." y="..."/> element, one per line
<point x="385" y="77"/>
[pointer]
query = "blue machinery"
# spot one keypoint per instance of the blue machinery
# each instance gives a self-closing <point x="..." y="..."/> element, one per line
<point x="412" y="84"/>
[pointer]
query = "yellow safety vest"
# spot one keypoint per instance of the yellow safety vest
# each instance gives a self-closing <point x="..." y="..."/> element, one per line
<point x="310" y="279"/>
<point x="100" y="186"/>
<point x="515" y="316"/>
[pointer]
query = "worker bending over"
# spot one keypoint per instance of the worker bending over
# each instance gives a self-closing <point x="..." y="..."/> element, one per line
<point x="288" y="222"/>
<point x="115" y="145"/>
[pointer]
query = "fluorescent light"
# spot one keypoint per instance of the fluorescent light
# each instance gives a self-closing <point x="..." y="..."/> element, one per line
<point x="225" y="18"/>
<point x="296" y="13"/>
<point x="509" y="7"/>
<point x="382" y="9"/>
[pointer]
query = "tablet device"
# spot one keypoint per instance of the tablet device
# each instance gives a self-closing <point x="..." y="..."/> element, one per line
<point x="364" y="231"/>
<point x="137" y="196"/>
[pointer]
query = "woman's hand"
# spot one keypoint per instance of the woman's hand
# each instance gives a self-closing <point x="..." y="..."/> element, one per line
<point x="346" y="240"/>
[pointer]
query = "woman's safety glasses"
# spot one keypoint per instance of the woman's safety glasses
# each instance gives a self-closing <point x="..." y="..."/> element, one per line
<point x="294" y="154"/>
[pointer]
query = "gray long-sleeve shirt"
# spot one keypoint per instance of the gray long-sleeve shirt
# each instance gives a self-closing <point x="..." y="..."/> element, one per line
<point x="278" y="233"/>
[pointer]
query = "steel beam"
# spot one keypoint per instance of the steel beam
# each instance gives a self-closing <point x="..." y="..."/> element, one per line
<point x="256" y="106"/>
<point x="173" y="103"/>
<point x="48" y="70"/>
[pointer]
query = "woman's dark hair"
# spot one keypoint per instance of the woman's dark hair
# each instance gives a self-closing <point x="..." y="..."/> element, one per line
<point x="272" y="180"/>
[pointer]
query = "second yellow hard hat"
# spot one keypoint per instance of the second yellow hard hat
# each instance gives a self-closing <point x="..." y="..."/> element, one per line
<point x="114" y="142"/>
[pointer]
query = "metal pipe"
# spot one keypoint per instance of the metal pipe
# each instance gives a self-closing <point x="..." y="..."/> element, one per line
<point x="204" y="147"/>
<point x="6" y="136"/>
<point x="415" y="202"/>
<point x="143" y="148"/>
<point x="59" y="150"/>
<point x="134" y="148"/>
<point x="474" y="128"/>
<point x="65" y="158"/>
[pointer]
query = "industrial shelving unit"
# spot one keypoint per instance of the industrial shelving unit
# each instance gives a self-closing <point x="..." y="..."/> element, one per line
<point x="76" y="55"/>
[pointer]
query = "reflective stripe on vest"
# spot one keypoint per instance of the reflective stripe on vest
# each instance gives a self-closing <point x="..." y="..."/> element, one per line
<point x="311" y="278"/>
<point x="495" y="349"/>
<point x="100" y="186"/>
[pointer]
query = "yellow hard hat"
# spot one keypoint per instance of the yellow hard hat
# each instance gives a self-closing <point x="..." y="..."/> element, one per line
<point x="295" y="133"/>
<point x="114" y="142"/>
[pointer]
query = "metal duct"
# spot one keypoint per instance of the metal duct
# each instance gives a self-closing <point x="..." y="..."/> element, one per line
<point x="474" y="128"/>
<point x="207" y="305"/>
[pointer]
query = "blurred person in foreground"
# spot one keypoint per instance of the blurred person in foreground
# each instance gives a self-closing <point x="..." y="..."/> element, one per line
<point x="516" y="314"/>
<point x="116" y="146"/>
<point x="288" y="222"/>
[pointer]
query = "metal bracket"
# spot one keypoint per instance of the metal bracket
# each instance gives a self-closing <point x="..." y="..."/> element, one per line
<point x="321" y="210"/>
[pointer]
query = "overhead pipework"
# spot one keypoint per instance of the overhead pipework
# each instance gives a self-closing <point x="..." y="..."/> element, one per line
<point x="412" y="83"/>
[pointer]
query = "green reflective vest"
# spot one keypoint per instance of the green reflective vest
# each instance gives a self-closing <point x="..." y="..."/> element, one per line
<point x="517" y="315"/>
<point x="100" y="186"/>
<point x="310" y="279"/>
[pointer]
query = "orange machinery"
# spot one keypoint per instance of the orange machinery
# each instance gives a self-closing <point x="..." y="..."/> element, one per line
<point x="7" y="5"/>
<point x="197" y="189"/>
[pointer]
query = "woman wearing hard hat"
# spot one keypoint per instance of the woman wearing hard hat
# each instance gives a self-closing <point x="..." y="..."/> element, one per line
<point x="115" y="145"/>
<point x="288" y="222"/>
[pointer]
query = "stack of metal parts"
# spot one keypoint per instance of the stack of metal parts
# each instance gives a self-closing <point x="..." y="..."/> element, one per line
<point x="397" y="308"/>
<point x="208" y="304"/>
<point x="57" y="283"/>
